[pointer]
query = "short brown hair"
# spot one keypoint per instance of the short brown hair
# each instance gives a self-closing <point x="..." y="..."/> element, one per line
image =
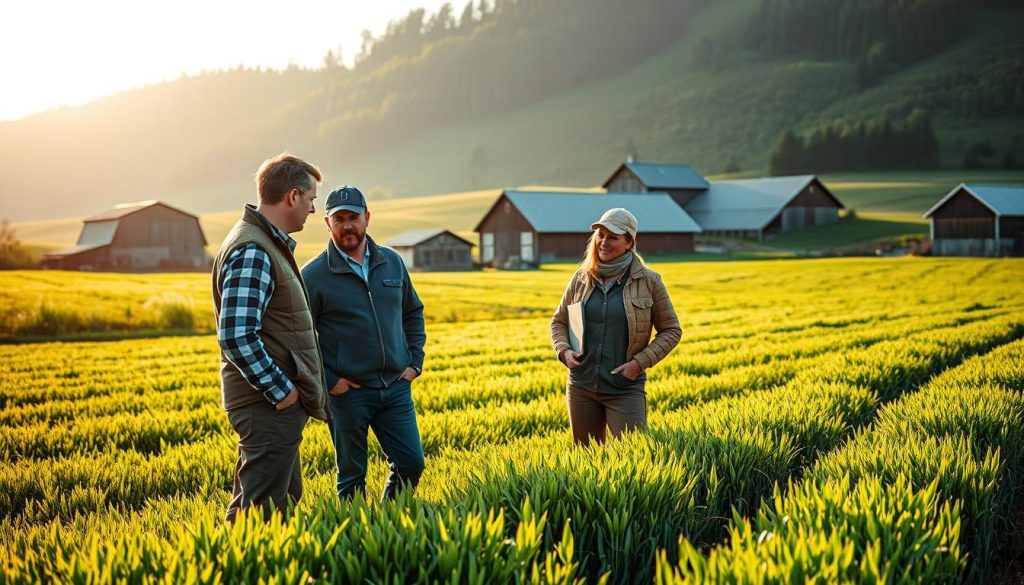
<point x="279" y="175"/>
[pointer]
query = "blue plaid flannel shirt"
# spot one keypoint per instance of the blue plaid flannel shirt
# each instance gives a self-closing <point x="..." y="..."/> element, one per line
<point x="247" y="283"/>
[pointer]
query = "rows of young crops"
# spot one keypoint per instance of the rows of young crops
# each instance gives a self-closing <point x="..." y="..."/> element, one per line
<point x="36" y="304"/>
<point x="922" y="495"/>
<point x="115" y="457"/>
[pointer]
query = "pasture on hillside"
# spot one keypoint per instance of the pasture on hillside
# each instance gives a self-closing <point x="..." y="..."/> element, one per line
<point x="829" y="420"/>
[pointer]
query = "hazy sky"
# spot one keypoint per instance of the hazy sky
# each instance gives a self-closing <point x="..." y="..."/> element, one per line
<point x="62" y="52"/>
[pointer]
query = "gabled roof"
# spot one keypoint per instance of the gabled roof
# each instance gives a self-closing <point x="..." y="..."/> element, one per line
<point x="415" y="237"/>
<point x="1001" y="199"/>
<point x="122" y="209"/>
<point x="747" y="204"/>
<point x="73" y="250"/>
<point x="574" y="212"/>
<point x="663" y="176"/>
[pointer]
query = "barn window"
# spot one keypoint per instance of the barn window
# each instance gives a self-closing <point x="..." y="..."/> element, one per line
<point x="526" y="246"/>
<point x="487" y="244"/>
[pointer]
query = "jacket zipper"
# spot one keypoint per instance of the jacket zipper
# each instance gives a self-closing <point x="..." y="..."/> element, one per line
<point x="380" y="336"/>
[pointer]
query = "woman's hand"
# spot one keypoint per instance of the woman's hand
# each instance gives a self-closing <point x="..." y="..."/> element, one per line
<point x="630" y="370"/>
<point x="571" y="358"/>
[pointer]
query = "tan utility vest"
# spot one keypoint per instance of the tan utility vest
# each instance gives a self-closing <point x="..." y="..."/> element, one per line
<point x="287" y="328"/>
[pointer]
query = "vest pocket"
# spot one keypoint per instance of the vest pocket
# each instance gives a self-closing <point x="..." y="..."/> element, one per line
<point x="303" y="372"/>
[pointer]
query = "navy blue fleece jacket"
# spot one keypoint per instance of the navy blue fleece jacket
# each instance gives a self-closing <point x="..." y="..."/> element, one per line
<point x="369" y="332"/>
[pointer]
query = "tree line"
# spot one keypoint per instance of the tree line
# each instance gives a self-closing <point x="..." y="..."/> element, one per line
<point x="431" y="69"/>
<point x="879" y="35"/>
<point x="874" y="145"/>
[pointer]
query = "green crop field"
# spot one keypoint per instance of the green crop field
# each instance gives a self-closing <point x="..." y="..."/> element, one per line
<point x="835" y="420"/>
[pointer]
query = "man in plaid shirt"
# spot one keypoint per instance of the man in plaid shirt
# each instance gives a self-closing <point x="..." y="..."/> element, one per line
<point x="271" y="373"/>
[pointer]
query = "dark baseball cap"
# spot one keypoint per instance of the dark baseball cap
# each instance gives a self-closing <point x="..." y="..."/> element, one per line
<point x="348" y="198"/>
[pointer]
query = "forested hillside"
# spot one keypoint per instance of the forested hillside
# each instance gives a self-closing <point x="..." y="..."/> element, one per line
<point x="515" y="92"/>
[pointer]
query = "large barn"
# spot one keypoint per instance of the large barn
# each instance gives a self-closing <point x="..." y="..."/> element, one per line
<point x="978" y="220"/>
<point x="433" y="250"/>
<point x="146" y="236"/>
<point x="763" y="208"/>
<point x="750" y="208"/>
<point x="530" y="227"/>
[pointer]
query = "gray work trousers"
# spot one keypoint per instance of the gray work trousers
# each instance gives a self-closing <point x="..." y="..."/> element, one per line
<point x="268" y="473"/>
<point x="591" y="413"/>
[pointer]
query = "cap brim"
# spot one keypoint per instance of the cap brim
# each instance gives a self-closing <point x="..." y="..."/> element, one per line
<point x="352" y="208"/>
<point x="610" y="227"/>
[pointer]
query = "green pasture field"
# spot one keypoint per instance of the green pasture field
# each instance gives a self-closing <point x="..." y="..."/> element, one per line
<point x="821" y="420"/>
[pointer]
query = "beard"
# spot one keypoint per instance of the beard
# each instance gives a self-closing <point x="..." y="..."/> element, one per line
<point x="350" y="241"/>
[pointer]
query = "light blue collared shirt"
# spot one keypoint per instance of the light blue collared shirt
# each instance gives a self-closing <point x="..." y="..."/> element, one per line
<point x="363" y="270"/>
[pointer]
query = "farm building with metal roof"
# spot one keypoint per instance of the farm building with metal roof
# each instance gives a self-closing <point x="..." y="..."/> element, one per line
<point x="145" y="236"/>
<point x="748" y="208"/>
<point x="976" y="219"/>
<point x="529" y="227"/>
<point x="433" y="250"/>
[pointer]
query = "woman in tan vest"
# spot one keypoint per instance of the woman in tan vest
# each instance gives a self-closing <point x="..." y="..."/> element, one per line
<point x="616" y="300"/>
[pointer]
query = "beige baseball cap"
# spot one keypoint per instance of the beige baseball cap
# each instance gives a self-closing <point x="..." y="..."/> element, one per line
<point x="618" y="221"/>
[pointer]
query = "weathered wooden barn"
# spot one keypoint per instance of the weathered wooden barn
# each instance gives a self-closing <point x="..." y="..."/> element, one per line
<point x="530" y="227"/>
<point x="147" y="236"/>
<point x="763" y="208"/>
<point x="751" y="208"/>
<point x="682" y="182"/>
<point x="978" y="220"/>
<point x="433" y="250"/>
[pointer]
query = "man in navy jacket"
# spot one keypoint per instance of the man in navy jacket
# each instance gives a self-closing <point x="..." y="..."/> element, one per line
<point x="369" y="322"/>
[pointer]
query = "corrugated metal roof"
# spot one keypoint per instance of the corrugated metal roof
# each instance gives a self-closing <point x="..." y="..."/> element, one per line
<point x="414" y="237"/>
<point x="667" y="176"/>
<point x="122" y="209"/>
<point x="1001" y="199"/>
<point x="73" y="250"/>
<point x="574" y="212"/>
<point x="97" y="233"/>
<point x="746" y="204"/>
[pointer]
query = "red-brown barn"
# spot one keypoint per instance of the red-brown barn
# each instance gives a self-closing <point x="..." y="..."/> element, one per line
<point x="978" y="220"/>
<point x="530" y="227"/>
<point x="146" y="236"/>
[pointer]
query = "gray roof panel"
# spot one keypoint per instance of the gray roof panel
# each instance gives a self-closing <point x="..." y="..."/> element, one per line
<point x="1005" y="200"/>
<point x="747" y="204"/>
<point x="414" y="237"/>
<point x="72" y="250"/>
<point x="122" y="209"/>
<point x="97" y="233"/>
<point x="665" y="176"/>
<point x="574" y="212"/>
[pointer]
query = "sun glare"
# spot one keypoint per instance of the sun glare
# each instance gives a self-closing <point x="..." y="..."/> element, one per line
<point x="64" y="53"/>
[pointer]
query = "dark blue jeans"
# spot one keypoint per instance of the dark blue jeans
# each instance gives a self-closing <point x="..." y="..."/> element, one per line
<point x="391" y="415"/>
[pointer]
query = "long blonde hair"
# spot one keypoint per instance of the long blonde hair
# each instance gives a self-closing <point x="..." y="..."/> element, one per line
<point x="591" y="259"/>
